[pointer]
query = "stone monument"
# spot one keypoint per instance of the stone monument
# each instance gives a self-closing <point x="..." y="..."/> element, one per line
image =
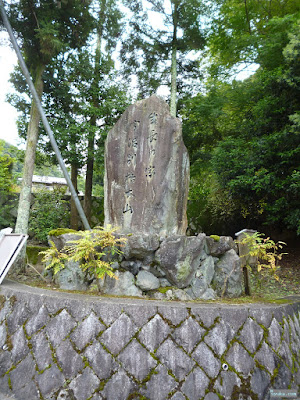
<point x="146" y="188"/>
<point x="146" y="171"/>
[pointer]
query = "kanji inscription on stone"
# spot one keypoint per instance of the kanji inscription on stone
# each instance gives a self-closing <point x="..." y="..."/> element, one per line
<point x="146" y="171"/>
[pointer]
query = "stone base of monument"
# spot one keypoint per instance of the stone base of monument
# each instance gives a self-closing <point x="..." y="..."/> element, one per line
<point x="173" y="268"/>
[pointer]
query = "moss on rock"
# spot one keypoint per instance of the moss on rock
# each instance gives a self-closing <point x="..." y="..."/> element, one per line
<point x="60" y="231"/>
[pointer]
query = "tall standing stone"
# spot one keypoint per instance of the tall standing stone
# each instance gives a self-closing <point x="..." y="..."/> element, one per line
<point x="146" y="171"/>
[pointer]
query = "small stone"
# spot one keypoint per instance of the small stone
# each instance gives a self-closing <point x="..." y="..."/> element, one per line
<point x="195" y="384"/>
<point x="260" y="382"/>
<point x="228" y="275"/>
<point x="122" y="286"/>
<point x="119" y="334"/>
<point x="175" y="359"/>
<point x="219" y="247"/>
<point x="68" y="359"/>
<point x="163" y="282"/>
<point x="132" y="266"/>
<point x="86" y="331"/>
<point x="136" y="360"/>
<point x="100" y="360"/>
<point x="251" y="335"/>
<point x="118" y="387"/>
<point x="160" y="384"/>
<point x="239" y="359"/>
<point x="189" y="334"/>
<point x="147" y="281"/>
<point x="59" y="327"/>
<point x="205" y="358"/>
<point x="85" y="384"/>
<point x="51" y="379"/>
<point x="209" y="294"/>
<point x="154" y="332"/>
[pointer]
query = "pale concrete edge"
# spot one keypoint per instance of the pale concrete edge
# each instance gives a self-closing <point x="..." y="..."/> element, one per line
<point x="10" y="288"/>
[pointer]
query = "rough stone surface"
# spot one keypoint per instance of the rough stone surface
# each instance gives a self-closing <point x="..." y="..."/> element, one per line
<point x="239" y="359"/>
<point x="84" y="385"/>
<point x="118" y="387"/>
<point x="71" y="277"/>
<point x="179" y="257"/>
<point x="218" y="247"/>
<point x="251" y="335"/>
<point x="140" y="246"/>
<point x="68" y="359"/>
<point x="147" y="281"/>
<point x="146" y="171"/>
<point x="122" y="286"/>
<point x="205" y="358"/>
<point x="175" y="359"/>
<point x="61" y="241"/>
<point x="160" y="384"/>
<point x="227" y="279"/>
<point x="188" y="334"/>
<point x="154" y="332"/>
<point x="136" y="360"/>
<point x="85" y="347"/>
<point x="86" y="331"/>
<point x="195" y="384"/>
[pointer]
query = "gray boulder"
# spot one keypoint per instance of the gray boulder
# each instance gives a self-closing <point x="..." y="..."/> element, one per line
<point x="179" y="257"/>
<point x="122" y="285"/>
<point x="218" y="247"/>
<point x="71" y="277"/>
<point x="61" y="240"/>
<point x="227" y="280"/>
<point x="132" y="266"/>
<point x="147" y="281"/>
<point x="140" y="247"/>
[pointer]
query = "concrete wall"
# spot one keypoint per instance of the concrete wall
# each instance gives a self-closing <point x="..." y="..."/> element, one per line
<point x="79" y="347"/>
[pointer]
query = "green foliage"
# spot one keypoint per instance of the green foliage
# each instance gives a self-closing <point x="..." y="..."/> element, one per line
<point x="6" y="164"/>
<point x="53" y="258"/>
<point x="49" y="210"/>
<point x="88" y="251"/>
<point x="266" y="252"/>
<point x="7" y="201"/>
<point x="147" y="49"/>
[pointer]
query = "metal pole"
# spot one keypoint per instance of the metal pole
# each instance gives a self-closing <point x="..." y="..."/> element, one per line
<point x="43" y="117"/>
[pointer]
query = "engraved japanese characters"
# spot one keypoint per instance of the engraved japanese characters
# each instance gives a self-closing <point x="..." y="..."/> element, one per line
<point x="146" y="171"/>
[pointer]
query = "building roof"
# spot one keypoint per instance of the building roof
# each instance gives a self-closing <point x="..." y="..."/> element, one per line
<point x="48" y="180"/>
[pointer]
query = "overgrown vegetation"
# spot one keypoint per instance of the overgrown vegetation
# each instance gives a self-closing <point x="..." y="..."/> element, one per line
<point x="262" y="258"/>
<point x="48" y="211"/>
<point x="89" y="250"/>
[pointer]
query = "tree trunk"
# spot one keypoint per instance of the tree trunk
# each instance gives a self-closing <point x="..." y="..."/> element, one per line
<point x="87" y="205"/>
<point x="32" y="139"/>
<point x="173" y="109"/>
<point x="25" y="193"/>
<point x="74" y="213"/>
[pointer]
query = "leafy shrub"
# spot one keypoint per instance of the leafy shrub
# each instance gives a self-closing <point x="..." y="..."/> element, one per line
<point x="88" y="251"/>
<point x="49" y="211"/>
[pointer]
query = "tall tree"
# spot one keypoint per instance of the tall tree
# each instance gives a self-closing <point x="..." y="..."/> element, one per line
<point x="159" y="55"/>
<point x="253" y="125"/>
<point x="44" y="29"/>
<point x="107" y="31"/>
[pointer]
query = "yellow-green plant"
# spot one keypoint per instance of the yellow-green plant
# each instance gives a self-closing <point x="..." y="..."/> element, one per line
<point x="88" y="250"/>
<point x="53" y="258"/>
<point x="266" y="251"/>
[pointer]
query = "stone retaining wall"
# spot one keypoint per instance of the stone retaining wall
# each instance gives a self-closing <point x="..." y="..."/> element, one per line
<point x="78" y="347"/>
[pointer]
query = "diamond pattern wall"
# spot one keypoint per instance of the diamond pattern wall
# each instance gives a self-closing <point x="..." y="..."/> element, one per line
<point x="75" y="347"/>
